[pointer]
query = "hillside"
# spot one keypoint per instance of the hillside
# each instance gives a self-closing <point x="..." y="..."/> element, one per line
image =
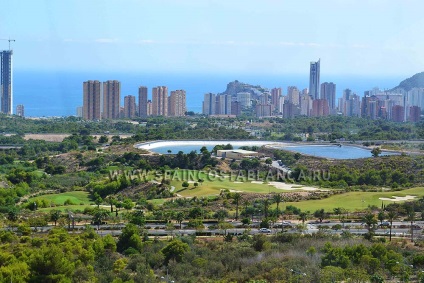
<point x="235" y="87"/>
<point x="416" y="81"/>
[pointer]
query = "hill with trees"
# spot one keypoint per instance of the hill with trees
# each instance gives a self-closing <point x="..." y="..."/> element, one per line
<point x="416" y="81"/>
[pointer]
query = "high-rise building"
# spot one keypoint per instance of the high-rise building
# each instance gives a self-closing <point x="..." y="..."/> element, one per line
<point x="314" y="75"/>
<point x="160" y="101"/>
<point x="369" y="106"/>
<point x="328" y="92"/>
<point x="275" y="97"/>
<point x="264" y="98"/>
<point x="79" y="111"/>
<point x="293" y="95"/>
<point x="414" y="114"/>
<point x="290" y="110"/>
<point x="305" y="105"/>
<point x="20" y="110"/>
<point x="129" y="106"/>
<point x="111" y="99"/>
<point x="235" y="108"/>
<point x="320" y="108"/>
<point x="398" y="113"/>
<point x="142" y="101"/>
<point x="6" y="81"/>
<point x="209" y="103"/>
<point x="245" y="99"/>
<point x="149" y="108"/>
<point x="177" y="103"/>
<point x="263" y="110"/>
<point x="223" y="104"/>
<point x="91" y="100"/>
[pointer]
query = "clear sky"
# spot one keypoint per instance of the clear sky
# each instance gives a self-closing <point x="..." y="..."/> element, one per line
<point x="368" y="37"/>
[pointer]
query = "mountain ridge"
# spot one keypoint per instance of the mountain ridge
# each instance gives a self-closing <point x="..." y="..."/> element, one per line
<point x="416" y="81"/>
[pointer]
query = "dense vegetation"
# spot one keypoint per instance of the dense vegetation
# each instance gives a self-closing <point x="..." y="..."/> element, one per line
<point x="51" y="190"/>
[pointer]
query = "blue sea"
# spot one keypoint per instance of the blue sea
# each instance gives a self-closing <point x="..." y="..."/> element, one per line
<point x="59" y="93"/>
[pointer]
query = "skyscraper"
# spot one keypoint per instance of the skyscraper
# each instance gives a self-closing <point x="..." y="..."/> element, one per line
<point x="320" y="108"/>
<point x="129" y="106"/>
<point x="177" y="103"/>
<point x="209" y="104"/>
<point x="6" y="81"/>
<point x="111" y="99"/>
<point x="245" y="99"/>
<point x="91" y="100"/>
<point x="275" y="97"/>
<point x="160" y="101"/>
<point x="293" y="95"/>
<point x="328" y="92"/>
<point x="20" y="110"/>
<point x="314" y="74"/>
<point x="142" y="101"/>
<point x="223" y="104"/>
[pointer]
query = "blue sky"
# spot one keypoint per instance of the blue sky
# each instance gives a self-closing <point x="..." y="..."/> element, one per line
<point x="367" y="37"/>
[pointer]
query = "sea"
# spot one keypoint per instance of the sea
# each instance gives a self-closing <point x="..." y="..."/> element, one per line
<point x="59" y="93"/>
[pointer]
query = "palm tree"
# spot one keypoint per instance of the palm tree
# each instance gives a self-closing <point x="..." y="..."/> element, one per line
<point x="381" y="215"/>
<point x="111" y="200"/>
<point x="338" y="211"/>
<point x="180" y="216"/>
<point x="246" y="203"/>
<point x="391" y="215"/>
<point x="411" y="217"/>
<point x="370" y="222"/>
<point x="277" y="199"/>
<point x="99" y="215"/>
<point x="266" y="204"/>
<point x="237" y="198"/>
<point x="55" y="215"/>
<point x="303" y="216"/>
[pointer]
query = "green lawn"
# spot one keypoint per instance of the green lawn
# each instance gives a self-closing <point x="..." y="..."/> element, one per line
<point x="76" y="197"/>
<point x="354" y="200"/>
<point x="212" y="185"/>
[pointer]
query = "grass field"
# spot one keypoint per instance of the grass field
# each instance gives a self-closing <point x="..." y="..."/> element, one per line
<point x="80" y="199"/>
<point x="213" y="184"/>
<point x="354" y="200"/>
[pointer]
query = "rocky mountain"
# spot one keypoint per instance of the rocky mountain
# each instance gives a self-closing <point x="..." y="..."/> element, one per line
<point x="235" y="87"/>
<point x="416" y="81"/>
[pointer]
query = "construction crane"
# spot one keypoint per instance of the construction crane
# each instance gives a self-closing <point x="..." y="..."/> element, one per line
<point x="10" y="40"/>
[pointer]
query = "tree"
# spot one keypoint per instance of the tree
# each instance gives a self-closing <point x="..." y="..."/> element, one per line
<point x="98" y="201"/>
<point x="381" y="216"/>
<point x="391" y="215"/>
<point x="320" y="214"/>
<point x="338" y="211"/>
<point x="111" y="200"/>
<point x="185" y="184"/>
<point x="128" y="204"/>
<point x="103" y="139"/>
<point x="266" y="204"/>
<point x="98" y="216"/>
<point x="277" y="198"/>
<point x="370" y="222"/>
<point x="237" y="198"/>
<point x="221" y="214"/>
<point x="268" y="161"/>
<point x="376" y="151"/>
<point x="129" y="238"/>
<point x="179" y="217"/>
<point x="303" y="216"/>
<point x="55" y="215"/>
<point x="175" y="250"/>
<point x="410" y="211"/>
